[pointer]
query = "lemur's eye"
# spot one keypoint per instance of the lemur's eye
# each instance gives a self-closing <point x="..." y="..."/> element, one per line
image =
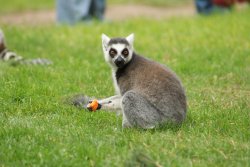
<point x="125" y="52"/>
<point x="112" y="52"/>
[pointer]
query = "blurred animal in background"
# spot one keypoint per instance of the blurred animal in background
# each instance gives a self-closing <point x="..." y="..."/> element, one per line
<point x="14" y="59"/>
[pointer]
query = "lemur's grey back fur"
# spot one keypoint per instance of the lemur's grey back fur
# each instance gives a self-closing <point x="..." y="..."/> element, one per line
<point x="157" y="92"/>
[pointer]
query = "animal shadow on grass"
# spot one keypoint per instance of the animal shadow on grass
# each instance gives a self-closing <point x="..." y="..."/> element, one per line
<point x="140" y="158"/>
<point x="188" y="122"/>
<point x="19" y="99"/>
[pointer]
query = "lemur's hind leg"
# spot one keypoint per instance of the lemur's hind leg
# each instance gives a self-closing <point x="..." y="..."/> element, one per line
<point x="138" y="112"/>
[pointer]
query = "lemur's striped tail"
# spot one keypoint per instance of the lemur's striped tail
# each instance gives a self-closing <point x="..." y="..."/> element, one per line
<point x="15" y="59"/>
<point x="37" y="61"/>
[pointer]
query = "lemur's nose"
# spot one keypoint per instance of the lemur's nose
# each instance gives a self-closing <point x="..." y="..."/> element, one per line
<point x="119" y="61"/>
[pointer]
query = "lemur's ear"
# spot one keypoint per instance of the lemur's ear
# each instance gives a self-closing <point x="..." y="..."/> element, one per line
<point x="105" y="41"/>
<point x="130" y="39"/>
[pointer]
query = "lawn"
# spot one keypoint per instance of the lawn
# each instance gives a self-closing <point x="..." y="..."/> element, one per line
<point x="210" y="55"/>
<point x="23" y="5"/>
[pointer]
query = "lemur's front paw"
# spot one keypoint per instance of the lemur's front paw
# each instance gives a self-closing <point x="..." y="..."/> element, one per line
<point x="93" y="105"/>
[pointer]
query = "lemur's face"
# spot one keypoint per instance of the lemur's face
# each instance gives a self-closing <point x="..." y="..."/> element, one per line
<point x="117" y="51"/>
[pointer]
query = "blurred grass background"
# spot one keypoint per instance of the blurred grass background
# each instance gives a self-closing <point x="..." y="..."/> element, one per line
<point x="24" y="5"/>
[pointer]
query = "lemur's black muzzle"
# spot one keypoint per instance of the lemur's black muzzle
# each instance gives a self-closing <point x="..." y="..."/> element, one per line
<point x="119" y="62"/>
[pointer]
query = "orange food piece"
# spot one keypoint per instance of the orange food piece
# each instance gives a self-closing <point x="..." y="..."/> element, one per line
<point x="93" y="105"/>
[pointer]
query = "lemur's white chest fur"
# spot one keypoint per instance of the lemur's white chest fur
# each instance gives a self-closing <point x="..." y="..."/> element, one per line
<point x="117" y="89"/>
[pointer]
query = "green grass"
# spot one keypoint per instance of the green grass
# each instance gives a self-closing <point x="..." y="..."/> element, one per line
<point x="210" y="54"/>
<point x="24" y="5"/>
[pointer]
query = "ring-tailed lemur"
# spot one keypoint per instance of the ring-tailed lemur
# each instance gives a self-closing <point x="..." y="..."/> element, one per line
<point x="7" y="55"/>
<point x="148" y="93"/>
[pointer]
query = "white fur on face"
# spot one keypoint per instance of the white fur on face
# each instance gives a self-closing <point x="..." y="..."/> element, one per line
<point x="119" y="48"/>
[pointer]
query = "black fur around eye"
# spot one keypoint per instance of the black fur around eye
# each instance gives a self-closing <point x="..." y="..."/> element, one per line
<point x="112" y="52"/>
<point x="125" y="52"/>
